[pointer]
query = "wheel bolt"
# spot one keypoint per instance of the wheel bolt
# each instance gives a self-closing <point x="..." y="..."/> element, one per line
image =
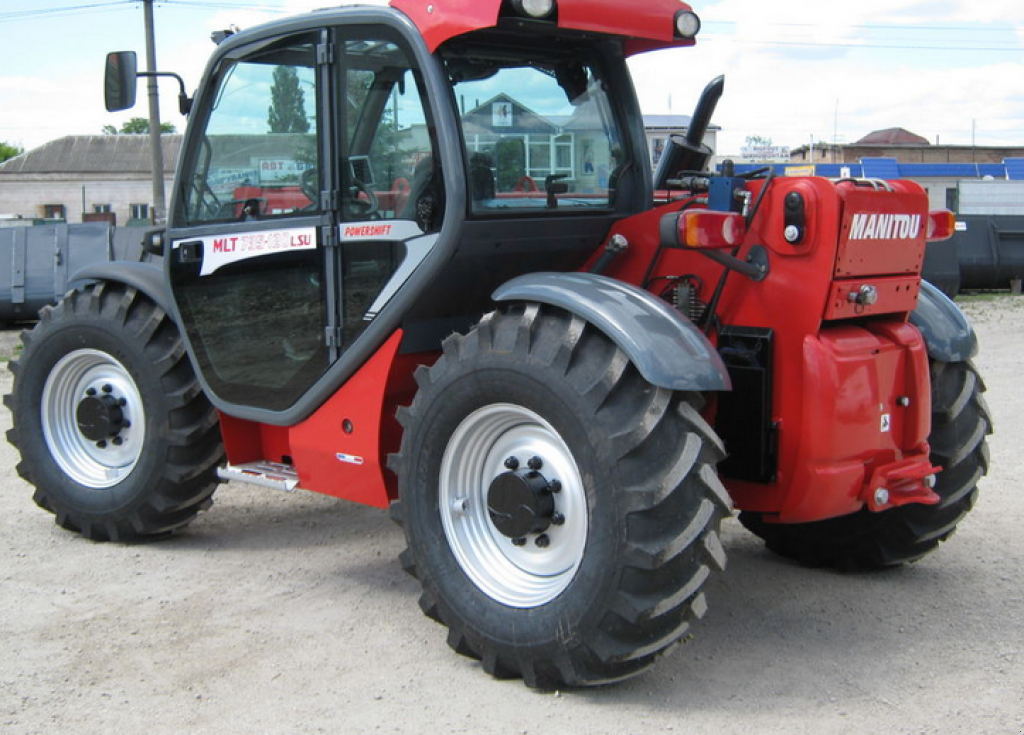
<point x="542" y="541"/>
<point x="519" y="542"/>
<point x="118" y="441"/>
<point x="555" y="486"/>
<point x="512" y="463"/>
<point x="557" y="519"/>
<point x="535" y="463"/>
<point x="101" y="444"/>
<point x="90" y="392"/>
<point x="122" y="402"/>
<point x="108" y="388"/>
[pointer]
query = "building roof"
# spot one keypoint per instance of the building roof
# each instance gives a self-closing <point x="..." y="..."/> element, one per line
<point x="892" y="136"/>
<point x="94" y="154"/>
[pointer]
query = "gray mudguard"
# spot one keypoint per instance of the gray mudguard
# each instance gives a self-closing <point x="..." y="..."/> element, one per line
<point x="667" y="349"/>
<point x="948" y="335"/>
<point x="144" y="277"/>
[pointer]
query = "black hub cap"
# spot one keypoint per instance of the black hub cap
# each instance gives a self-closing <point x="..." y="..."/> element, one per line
<point x="99" y="417"/>
<point x="520" y="503"/>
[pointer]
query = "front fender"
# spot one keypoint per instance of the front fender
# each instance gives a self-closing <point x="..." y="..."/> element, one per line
<point x="947" y="333"/>
<point x="144" y="277"/>
<point x="667" y="349"/>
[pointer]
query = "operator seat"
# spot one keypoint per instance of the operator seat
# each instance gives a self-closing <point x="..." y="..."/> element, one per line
<point x="425" y="204"/>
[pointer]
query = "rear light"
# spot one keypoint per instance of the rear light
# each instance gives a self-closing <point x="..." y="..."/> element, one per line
<point x="941" y="225"/>
<point x="709" y="230"/>
<point x="687" y="24"/>
<point x="534" y="8"/>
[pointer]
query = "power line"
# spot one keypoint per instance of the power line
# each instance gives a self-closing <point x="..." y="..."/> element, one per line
<point x="856" y="45"/>
<point x="39" y="12"/>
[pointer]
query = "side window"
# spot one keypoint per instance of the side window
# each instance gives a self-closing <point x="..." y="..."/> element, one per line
<point x="392" y="190"/>
<point x="259" y="153"/>
<point x="390" y="163"/>
<point x="537" y="137"/>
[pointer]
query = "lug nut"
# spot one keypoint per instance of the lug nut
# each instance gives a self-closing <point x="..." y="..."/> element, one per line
<point x="519" y="542"/>
<point x="90" y="392"/>
<point x="555" y="486"/>
<point x="118" y="441"/>
<point x="108" y="388"/>
<point x="557" y="519"/>
<point x="101" y="444"/>
<point x="512" y="463"/>
<point x="535" y="463"/>
<point x="542" y="541"/>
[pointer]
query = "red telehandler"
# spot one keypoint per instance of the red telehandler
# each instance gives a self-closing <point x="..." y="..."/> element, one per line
<point x="417" y="257"/>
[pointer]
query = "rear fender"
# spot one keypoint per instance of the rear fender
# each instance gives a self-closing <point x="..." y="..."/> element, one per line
<point x="947" y="334"/>
<point x="667" y="349"/>
<point x="144" y="277"/>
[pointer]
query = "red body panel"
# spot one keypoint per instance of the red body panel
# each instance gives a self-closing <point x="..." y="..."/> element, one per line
<point x="647" y="26"/>
<point x="342" y="449"/>
<point x="833" y="385"/>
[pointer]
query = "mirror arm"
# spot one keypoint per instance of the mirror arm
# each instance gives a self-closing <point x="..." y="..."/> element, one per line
<point x="184" y="103"/>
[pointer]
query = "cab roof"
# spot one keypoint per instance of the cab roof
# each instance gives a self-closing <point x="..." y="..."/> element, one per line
<point x="647" y="25"/>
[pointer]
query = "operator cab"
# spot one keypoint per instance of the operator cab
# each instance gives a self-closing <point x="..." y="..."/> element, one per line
<point x="340" y="182"/>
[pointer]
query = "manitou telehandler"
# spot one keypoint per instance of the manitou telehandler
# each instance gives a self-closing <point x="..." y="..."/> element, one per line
<point x="417" y="257"/>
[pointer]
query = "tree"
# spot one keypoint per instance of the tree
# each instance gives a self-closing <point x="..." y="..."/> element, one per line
<point x="8" y="150"/>
<point x="287" y="112"/>
<point x="138" y="126"/>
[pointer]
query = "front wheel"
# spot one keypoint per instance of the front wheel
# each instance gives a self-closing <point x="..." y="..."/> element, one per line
<point x="113" y="429"/>
<point x="866" y="540"/>
<point x="561" y="513"/>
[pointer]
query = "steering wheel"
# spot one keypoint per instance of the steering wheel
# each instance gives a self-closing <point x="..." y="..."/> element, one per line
<point x="309" y="184"/>
<point x="362" y="202"/>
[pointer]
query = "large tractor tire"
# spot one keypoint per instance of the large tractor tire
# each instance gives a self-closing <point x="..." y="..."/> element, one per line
<point x="561" y="514"/>
<point x="113" y="429"/>
<point x="866" y="540"/>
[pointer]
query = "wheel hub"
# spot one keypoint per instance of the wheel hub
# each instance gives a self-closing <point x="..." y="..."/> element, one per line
<point x="519" y="503"/>
<point x="100" y="417"/>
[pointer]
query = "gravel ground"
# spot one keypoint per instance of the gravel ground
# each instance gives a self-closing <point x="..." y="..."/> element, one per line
<point x="289" y="614"/>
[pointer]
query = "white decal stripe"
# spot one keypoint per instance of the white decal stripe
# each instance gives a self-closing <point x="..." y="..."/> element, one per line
<point x="222" y="250"/>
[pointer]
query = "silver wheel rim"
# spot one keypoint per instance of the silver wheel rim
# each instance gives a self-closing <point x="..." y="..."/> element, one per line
<point x="521" y="576"/>
<point x="88" y="462"/>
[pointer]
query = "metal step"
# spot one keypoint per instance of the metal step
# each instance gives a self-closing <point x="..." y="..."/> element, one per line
<point x="266" y="474"/>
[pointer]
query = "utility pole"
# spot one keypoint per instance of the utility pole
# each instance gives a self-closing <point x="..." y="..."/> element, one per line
<point x="159" y="204"/>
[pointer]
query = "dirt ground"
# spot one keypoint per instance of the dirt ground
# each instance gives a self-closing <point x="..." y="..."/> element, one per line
<point x="289" y="614"/>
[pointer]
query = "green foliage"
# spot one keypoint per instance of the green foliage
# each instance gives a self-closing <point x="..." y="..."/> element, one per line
<point x="287" y="112"/>
<point x="8" y="150"/>
<point x="511" y="163"/>
<point x="138" y="126"/>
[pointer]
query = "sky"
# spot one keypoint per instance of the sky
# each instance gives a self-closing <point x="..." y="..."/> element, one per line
<point x="797" y="71"/>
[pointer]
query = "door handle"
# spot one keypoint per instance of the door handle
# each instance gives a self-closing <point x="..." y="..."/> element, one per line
<point x="190" y="252"/>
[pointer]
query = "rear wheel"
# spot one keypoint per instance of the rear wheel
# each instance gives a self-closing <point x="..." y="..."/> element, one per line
<point x="865" y="540"/>
<point x="113" y="429"/>
<point x="561" y="513"/>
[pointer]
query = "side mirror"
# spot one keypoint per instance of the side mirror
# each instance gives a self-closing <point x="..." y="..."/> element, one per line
<point x="119" y="80"/>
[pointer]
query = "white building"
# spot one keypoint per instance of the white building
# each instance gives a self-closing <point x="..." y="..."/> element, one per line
<point x="80" y="176"/>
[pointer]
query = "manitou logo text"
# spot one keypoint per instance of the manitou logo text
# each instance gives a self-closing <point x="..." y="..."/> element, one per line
<point x="885" y="226"/>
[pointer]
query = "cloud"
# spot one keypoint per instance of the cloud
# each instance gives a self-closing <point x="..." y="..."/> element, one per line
<point x="844" y="70"/>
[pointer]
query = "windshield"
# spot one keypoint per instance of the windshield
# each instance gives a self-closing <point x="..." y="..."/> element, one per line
<point x="538" y="135"/>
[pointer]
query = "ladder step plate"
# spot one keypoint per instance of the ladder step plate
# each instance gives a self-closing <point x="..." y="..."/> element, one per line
<point x="266" y="474"/>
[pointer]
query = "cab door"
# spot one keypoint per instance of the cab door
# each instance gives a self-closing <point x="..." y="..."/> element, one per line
<point x="249" y="266"/>
<point x="311" y="193"/>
